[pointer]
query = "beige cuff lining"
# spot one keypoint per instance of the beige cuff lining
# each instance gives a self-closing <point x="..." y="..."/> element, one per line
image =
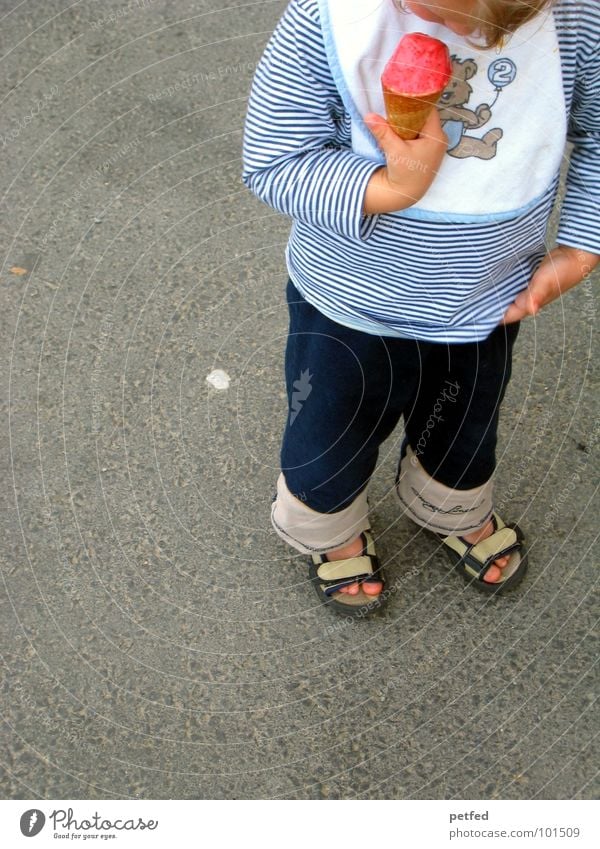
<point x="437" y="507"/>
<point x="311" y="532"/>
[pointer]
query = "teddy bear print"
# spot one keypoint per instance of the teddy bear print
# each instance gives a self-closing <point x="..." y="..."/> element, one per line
<point x="457" y="119"/>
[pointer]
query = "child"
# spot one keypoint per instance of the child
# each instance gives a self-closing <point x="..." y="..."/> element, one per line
<point x="411" y="263"/>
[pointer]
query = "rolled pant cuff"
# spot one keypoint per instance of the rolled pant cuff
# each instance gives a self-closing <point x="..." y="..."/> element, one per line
<point x="437" y="507"/>
<point x="311" y="532"/>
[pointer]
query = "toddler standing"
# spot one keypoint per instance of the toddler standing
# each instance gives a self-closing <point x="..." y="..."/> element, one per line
<point x="411" y="263"/>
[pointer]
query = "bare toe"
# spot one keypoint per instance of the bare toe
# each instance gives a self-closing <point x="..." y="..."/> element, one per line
<point x="372" y="587"/>
<point x="492" y="575"/>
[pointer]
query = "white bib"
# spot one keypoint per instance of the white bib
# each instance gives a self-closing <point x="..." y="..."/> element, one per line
<point x="508" y="124"/>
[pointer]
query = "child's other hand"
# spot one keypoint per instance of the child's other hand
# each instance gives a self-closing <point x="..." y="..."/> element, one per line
<point x="411" y="166"/>
<point x="560" y="270"/>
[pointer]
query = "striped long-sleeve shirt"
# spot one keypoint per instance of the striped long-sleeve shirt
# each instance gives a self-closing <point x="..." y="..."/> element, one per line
<point x="389" y="274"/>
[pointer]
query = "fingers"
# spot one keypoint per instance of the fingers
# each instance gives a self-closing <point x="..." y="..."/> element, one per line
<point x="512" y="314"/>
<point x="385" y="135"/>
<point x="411" y="164"/>
<point x="432" y="129"/>
<point x="373" y="120"/>
<point x="559" y="271"/>
<point x="525" y="304"/>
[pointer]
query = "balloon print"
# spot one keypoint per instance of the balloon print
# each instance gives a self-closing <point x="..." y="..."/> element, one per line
<point x="502" y="72"/>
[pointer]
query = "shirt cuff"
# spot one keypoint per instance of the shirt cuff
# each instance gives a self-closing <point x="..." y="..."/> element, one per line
<point x="574" y="234"/>
<point x="362" y="226"/>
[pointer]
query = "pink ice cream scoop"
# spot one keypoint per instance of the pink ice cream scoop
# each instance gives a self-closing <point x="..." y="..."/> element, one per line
<point x="413" y="80"/>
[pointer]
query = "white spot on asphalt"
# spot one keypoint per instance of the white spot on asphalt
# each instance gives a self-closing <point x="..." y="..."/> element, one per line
<point x="219" y="379"/>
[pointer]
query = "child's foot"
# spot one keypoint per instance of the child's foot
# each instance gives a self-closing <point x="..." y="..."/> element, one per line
<point x="494" y="573"/>
<point x="355" y="549"/>
<point x="351" y="579"/>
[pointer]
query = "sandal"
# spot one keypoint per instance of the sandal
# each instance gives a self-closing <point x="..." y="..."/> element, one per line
<point x="329" y="576"/>
<point x="474" y="559"/>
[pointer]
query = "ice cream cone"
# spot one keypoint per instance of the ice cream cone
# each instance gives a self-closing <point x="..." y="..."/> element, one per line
<point x="413" y="81"/>
<point x="407" y="113"/>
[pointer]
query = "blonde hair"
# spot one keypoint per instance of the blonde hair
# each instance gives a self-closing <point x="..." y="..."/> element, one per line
<point x="497" y="19"/>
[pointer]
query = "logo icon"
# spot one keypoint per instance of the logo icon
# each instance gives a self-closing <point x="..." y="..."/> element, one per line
<point x="302" y="390"/>
<point x="32" y="822"/>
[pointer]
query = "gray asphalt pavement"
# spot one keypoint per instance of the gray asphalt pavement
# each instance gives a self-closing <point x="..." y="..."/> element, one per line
<point x="158" y="640"/>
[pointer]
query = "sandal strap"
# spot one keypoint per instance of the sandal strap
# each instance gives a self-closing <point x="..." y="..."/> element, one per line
<point x="334" y="587"/>
<point x="495" y="545"/>
<point x="478" y="558"/>
<point x="358" y="568"/>
<point x="336" y="574"/>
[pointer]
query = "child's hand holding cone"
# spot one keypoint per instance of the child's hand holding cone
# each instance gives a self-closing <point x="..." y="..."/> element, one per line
<point x="412" y="139"/>
<point x="411" y="166"/>
<point x="413" y="80"/>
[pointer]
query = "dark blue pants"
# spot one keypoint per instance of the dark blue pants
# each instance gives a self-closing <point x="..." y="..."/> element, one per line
<point x="347" y="391"/>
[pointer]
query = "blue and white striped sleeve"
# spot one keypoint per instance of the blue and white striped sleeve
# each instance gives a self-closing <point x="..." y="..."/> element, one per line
<point x="296" y="153"/>
<point x="579" y="225"/>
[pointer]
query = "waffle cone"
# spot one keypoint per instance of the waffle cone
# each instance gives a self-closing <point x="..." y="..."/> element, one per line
<point x="408" y="112"/>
